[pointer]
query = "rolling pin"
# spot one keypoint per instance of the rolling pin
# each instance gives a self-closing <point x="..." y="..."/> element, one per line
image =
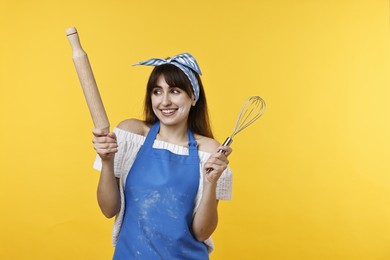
<point x="87" y="81"/>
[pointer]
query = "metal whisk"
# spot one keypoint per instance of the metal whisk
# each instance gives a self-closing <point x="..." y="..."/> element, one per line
<point x="251" y="110"/>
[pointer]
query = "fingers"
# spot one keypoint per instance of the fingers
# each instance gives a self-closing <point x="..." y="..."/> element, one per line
<point x="227" y="150"/>
<point x="221" y="155"/>
<point x="218" y="159"/>
<point x="217" y="163"/>
<point x="106" y="147"/>
<point x="103" y="137"/>
<point x="99" y="132"/>
<point x="106" y="153"/>
<point x="104" y="143"/>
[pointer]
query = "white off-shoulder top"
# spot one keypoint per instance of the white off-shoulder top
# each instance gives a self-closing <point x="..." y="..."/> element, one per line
<point x="128" y="147"/>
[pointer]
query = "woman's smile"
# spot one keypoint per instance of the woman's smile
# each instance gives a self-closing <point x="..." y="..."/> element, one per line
<point x="168" y="112"/>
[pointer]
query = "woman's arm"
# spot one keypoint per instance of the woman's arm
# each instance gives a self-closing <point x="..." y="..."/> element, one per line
<point x="108" y="194"/>
<point x="206" y="217"/>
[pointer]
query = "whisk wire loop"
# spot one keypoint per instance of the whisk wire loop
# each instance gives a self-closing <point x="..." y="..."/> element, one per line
<point x="252" y="109"/>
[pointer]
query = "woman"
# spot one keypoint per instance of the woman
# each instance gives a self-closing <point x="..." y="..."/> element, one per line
<point x="162" y="177"/>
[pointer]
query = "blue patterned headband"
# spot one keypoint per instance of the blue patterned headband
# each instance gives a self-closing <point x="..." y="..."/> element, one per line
<point x="186" y="62"/>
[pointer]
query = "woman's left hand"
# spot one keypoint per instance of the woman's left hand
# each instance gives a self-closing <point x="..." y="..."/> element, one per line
<point x="217" y="163"/>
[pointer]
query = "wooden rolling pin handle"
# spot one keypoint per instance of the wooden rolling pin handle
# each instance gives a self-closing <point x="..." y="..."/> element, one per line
<point x="87" y="81"/>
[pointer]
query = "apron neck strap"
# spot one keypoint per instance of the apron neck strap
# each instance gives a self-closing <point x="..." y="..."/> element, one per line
<point x="152" y="134"/>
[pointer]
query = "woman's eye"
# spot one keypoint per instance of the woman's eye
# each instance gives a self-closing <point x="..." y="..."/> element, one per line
<point x="156" y="92"/>
<point x="175" y="91"/>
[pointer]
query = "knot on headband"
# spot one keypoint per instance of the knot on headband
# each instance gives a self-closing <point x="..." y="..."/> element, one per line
<point x="185" y="62"/>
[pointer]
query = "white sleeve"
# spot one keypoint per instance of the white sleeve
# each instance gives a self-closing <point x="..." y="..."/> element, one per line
<point x="224" y="185"/>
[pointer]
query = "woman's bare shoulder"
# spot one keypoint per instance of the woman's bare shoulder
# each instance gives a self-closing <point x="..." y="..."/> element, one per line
<point x="135" y="126"/>
<point x="206" y="144"/>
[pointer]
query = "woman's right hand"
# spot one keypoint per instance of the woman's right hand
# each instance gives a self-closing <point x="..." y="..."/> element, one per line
<point x="105" y="144"/>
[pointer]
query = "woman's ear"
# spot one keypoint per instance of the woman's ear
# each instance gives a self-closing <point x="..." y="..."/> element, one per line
<point x="193" y="101"/>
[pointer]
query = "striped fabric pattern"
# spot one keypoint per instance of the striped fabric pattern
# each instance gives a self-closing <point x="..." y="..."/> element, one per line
<point x="185" y="61"/>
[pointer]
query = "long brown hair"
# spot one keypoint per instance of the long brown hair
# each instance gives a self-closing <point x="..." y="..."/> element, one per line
<point x="198" y="118"/>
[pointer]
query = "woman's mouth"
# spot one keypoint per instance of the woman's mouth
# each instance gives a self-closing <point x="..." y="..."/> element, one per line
<point x="168" y="112"/>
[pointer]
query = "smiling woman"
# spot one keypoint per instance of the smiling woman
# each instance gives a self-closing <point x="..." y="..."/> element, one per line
<point x="153" y="175"/>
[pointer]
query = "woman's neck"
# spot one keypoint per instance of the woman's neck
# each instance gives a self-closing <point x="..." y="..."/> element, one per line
<point x="174" y="134"/>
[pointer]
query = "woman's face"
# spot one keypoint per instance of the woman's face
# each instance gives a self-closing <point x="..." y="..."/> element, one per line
<point x="171" y="105"/>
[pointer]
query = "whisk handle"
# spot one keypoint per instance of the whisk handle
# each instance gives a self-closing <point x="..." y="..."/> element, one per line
<point x="227" y="142"/>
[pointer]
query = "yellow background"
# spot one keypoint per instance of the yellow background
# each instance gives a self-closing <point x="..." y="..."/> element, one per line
<point x="311" y="176"/>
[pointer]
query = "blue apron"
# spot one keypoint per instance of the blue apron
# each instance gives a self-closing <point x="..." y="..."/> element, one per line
<point x="160" y="197"/>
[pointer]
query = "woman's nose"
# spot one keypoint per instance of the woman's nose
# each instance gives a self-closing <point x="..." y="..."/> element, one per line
<point x="166" y="100"/>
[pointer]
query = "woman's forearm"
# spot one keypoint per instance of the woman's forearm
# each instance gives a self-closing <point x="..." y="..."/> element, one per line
<point x="108" y="193"/>
<point x="206" y="218"/>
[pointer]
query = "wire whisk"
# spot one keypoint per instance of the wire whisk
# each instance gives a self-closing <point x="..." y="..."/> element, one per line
<point x="251" y="110"/>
